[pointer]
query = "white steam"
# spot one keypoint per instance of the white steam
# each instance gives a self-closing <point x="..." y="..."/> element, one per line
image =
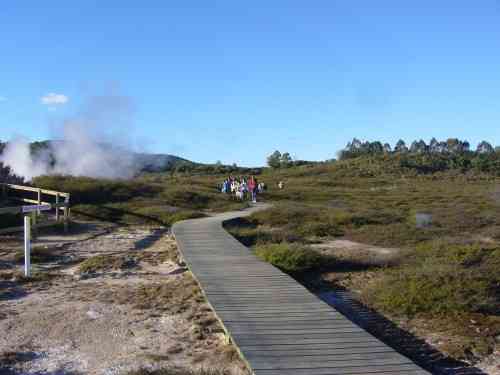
<point x="93" y="143"/>
<point x="17" y="155"/>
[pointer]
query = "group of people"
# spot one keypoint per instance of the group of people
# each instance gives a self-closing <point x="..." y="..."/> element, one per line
<point x="241" y="187"/>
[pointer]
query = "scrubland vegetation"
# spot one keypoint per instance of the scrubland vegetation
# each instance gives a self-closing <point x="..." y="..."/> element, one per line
<point x="445" y="221"/>
<point x="439" y="205"/>
<point x="155" y="198"/>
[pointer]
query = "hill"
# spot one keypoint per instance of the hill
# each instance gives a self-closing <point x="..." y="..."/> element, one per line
<point x="143" y="162"/>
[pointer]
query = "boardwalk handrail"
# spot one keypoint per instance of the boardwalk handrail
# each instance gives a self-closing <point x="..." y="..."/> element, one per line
<point x="36" y="190"/>
<point x="57" y="205"/>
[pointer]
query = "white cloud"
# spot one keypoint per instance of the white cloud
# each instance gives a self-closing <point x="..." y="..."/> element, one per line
<point x="54" y="99"/>
<point x="3" y="98"/>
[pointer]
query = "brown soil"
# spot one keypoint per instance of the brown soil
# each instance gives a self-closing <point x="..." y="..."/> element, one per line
<point x="138" y="308"/>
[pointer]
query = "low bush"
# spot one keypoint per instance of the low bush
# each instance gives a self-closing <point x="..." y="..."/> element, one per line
<point x="10" y="220"/>
<point x="291" y="258"/>
<point x="185" y="197"/>
<point x="101" y="263"/>
<point x="441" y="278"/>
<point x="38" y="255"/>
<point x="86" y="190"/>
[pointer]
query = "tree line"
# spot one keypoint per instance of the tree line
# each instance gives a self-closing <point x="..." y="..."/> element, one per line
<point x="284" y="160"/>
<point x="450" y="146"/>
<point x="437" y="156"/>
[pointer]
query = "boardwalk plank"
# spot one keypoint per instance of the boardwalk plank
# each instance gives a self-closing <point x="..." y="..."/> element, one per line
<point x="279" y="326"/>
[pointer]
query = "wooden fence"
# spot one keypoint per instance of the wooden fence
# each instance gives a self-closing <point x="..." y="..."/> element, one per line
<point x="58" y="201"/>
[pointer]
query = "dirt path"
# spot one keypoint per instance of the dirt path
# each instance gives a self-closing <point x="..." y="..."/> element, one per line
<point x="135" y="307"/>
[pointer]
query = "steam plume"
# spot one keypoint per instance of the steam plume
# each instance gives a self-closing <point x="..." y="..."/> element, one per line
<point x="92" y="143"/>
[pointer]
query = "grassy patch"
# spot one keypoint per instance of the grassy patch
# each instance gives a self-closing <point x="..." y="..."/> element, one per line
<point x="36" y="277"/>
<point x="39" y="255"/>
<point x="158" y="199"/>
<point x="11" y="220"/>
<point x="176" y="296"/>
<point x="100" y="263"/>
<point x="291" y="258"/>
<point x="441" y="278"/>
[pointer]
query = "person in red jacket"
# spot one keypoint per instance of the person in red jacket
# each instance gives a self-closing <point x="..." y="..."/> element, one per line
<point x="252" y="187"/>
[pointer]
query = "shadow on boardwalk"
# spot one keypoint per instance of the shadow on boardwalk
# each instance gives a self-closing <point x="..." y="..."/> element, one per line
<point x="404" y="342"/>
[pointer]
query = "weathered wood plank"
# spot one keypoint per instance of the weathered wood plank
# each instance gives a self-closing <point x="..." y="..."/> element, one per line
<point x="278" y="325"/>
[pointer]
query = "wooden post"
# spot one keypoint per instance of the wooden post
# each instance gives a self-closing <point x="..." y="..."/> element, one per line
<point x="66" y="215"/>
<point x="57" y="207"/>
<point x="27" y="246"/>
<point x="39" y="199"/>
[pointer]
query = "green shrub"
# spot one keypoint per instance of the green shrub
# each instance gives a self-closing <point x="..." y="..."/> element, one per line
<point x="11" y="220"/>
<point x="441" y="278"/>
<point x="101" y="263"/>
<point x="87" y="190"/>
<point x="38" y="255"/>
<point x="185" y="196"/>
<point x="290" y="258"/>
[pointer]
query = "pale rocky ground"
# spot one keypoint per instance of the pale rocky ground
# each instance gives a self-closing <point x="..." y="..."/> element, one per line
<point x="146" y="312"/>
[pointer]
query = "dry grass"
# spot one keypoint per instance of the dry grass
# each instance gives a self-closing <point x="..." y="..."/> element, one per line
<point x="100" y="263"/>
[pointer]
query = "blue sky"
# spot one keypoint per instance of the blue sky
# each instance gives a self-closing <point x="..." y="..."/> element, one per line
<point x="233" y="80"/>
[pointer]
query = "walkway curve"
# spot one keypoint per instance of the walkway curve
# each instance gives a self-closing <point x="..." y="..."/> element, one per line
<point x="279" y="327"/>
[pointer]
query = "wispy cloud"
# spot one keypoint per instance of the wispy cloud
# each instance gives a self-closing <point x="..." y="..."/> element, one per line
<point x="3" y="98"/>
<point x="52" y="99"/>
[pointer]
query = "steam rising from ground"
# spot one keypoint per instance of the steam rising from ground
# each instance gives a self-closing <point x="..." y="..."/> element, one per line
<point x="93" y="143"/>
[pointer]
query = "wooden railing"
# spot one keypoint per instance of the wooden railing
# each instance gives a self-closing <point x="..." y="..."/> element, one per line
<point x="60" y="202"/>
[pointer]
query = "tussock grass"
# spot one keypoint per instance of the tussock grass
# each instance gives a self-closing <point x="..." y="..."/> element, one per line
<point x="441" y="278"/>
<point x="39" y="255"/>
<point x="291" y="258"/>
<point x="100" y="263"/>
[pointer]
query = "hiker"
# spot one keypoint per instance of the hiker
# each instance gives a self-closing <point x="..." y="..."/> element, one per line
<point x="252" y="187"/>
<point x="281" y="185"/>
<point x="261" y="187"/>
<point x="226" y="187"/>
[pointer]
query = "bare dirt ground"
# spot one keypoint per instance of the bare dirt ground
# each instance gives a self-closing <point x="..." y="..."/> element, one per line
<point x="347" y="250"/>
<point x="109" y="301"/>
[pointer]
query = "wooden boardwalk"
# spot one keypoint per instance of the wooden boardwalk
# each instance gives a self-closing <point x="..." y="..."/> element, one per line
<point x="279" y="327"/>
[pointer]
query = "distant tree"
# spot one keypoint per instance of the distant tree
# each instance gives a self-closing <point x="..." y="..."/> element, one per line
<point x="434" y="146"/>
<point x="274" y="160"/>
<point x="442" y="147"/>
<point x="218" y="167"/>
<point x="400" y="147"/>
<point x="453" y="145"/>
<point x="465" y="146"/>
<point x="485" y="148"/>
<point x="374" y="147"/>
<point x="355" y="145"/>
<point x="286" y="160"/>
<point x="418" y="147"/>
